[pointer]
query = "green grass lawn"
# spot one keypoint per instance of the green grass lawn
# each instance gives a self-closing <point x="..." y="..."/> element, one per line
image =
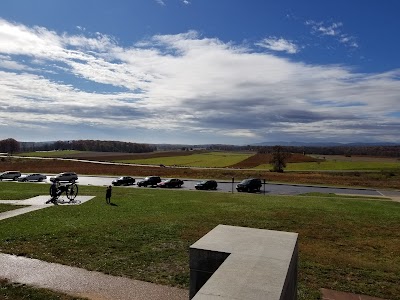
<point x="344" y="244"/>
<point x="211" y="159"/>
<point x="18" y="190"/>
<point x="7" y="207"/>
<point x="338" y="166"/>
<point x="14" y="291"/>
<point x="49" y="153"/>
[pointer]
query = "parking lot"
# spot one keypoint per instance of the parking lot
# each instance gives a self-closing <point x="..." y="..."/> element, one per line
<point x="224" y="186"/>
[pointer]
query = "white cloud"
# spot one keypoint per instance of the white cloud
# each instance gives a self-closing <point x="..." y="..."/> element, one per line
<point x="332" y="30"/>
<point x="170" y="82"/>
<point x="161" y="2"/>
<point x="279" y="44"/>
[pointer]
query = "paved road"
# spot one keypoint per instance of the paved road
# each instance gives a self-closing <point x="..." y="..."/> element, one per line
<point x="224" y="186"/>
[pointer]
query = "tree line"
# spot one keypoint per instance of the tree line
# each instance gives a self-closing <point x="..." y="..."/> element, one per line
<point x="11" y="146"/>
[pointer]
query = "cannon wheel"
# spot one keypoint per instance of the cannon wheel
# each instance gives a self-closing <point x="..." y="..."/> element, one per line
<point x="72" y="191"/>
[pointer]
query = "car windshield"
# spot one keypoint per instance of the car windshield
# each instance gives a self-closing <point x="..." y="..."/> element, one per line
<point x="246" y="181"/>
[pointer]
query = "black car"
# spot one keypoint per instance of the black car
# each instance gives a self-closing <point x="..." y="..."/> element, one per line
<point x="170" y="183"/>
<point x="249" y="185"/>
<point x="206" y="185"/>
<point x="124" y="180"/>
<point x="149" y="181"/>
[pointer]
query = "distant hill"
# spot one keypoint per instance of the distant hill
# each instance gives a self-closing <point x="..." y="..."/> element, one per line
<point x="323" y="144"/>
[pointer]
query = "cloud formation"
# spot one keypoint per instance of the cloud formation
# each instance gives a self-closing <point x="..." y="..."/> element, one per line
<point x="279" y="44"/>
<point x="212" y="90"/>
<point x="333" y="30"/>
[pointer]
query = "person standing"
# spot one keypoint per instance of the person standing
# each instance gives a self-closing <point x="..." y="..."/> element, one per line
<point x="54" y="193"/>
<point x="108" y="195"/>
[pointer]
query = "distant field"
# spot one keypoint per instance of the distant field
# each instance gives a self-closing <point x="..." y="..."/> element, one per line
<point x="240" y="160"/>
<point x="339" y="166"/>
<point x="344" y="165"/>
<point x="210" y="159"/>
<point x="50" y="153"/>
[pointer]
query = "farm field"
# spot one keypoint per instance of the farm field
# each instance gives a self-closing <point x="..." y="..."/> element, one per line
<point x="239" y="160"/>
<point x="383" y="179"/>
<point x="346" y="244"/>
<point x="339" y="166"/>
<point x="210" y="159"/>
<point x="65" y="153"/>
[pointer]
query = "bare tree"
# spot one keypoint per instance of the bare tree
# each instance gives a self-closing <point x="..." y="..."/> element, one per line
<point x="9" y="146"/>
<point x="279" y="157"/>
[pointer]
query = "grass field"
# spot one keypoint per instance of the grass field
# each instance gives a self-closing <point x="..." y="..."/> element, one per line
<point x="339" y="166"/>
<point x="55" y="154"/>
<point x="7" y="207"/>
<point x="210" y="159"/>
<point x="13" y="291"/>
<point x="345" y="244"/>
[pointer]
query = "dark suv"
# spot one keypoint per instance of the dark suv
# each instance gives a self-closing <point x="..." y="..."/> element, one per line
<point x="249" y="185"/>
<point x="149" y="181"/>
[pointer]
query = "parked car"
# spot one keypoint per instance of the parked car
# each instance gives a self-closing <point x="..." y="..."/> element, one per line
<point x="65" y="176"/>
<point x="124" y="180"/>
<point x="32" y="177"/>
<point x="10" y="175"/>
<point x="249" y="185"/>
<point x="206" y="185"/>
<point x="170" y="183"/>
<point x="149" y="181"/>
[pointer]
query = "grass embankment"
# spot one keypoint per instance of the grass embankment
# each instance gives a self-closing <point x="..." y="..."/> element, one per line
<point x="345" y="244"/>
<point x="14" y="291"/>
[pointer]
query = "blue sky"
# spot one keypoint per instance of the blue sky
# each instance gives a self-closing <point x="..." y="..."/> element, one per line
<point x="200" y="71"/>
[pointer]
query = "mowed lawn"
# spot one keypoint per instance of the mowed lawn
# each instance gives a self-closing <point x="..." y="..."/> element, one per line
<point x="346" y="244"/>
<point x="7" y="207"/>
<point x="210" y="159"/>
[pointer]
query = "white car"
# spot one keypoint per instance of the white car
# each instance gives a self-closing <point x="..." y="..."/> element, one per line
<point x="32" y="177"/>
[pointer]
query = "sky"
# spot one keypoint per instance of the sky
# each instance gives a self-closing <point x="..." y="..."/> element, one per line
<point x="200" y="71"/>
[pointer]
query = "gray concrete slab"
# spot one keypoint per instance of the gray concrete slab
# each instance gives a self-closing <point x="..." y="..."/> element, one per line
<point x="246" y="263"/>
<point x="36" y="203"/>
<point x="80" y="282"/>
<point x="19" y="211"/>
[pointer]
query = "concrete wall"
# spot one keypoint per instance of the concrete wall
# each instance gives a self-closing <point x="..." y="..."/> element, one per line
<point x="233" y="262"/>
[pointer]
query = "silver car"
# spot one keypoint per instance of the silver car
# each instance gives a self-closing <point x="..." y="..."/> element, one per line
<point x="65" y="176"/>
<point x="32" y="177"/>
<point x="10" y="175"/>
